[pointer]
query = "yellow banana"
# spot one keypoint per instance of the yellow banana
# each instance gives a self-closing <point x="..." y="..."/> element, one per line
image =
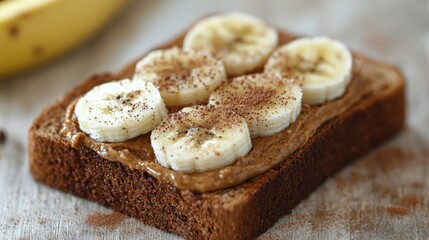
<point x="34" y="31"/>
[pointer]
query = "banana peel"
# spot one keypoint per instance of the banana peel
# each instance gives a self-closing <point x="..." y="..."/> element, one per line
<point x="32" y="32"/>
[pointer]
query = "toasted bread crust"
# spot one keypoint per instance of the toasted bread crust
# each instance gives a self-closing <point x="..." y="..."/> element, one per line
<point x="242" y="212"/>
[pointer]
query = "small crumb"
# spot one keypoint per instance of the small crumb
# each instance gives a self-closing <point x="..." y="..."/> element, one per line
<point x="3" y="137"/>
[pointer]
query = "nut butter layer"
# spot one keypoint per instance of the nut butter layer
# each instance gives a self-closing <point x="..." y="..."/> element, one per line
<point x="266" y="153"/>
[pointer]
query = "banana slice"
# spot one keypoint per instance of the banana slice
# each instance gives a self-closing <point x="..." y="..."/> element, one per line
<point x="323" y="67"/>
<point x="117" y="111"/>
<point x="183" y="77"/>
<point x="200" y="138"/>
<point x="243" y="41"/>
<point x="269" y="103"/>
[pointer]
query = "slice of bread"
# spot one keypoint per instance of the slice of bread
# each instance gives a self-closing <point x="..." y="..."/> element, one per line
<point x="240" y="212"/>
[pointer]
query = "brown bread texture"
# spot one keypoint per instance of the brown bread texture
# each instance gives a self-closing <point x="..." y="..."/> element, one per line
<point x="241" y="212"/>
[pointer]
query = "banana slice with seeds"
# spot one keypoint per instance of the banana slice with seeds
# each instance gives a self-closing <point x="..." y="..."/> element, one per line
<point x="323" y="67"/>
<point x="183" y="77"/>
<point x="242" y="41"/>
<point x="269" y="103"/>
<point x="120" y="110"/>
<point x="200" y="138"/>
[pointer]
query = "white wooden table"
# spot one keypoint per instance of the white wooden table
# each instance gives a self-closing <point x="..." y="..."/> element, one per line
<point x="385" y="195"/>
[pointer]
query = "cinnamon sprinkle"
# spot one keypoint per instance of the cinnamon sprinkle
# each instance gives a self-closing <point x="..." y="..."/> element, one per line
<point x="172" y="70"/>
<point x="392" y="202"/>
<point x="109" y="220"/>
<point x="253" y="96"/>
<point x="397" y="211"/>
<point x="203" y="117"/>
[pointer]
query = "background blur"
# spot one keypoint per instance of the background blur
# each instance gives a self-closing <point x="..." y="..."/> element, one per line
<point x="392" y="31"/>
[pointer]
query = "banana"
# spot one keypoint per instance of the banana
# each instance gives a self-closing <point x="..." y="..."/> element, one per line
<point x="200" y="138"/>
<point x="183" y="77"/>
<point x="33" y="32"/>
<point x="323" y="67"/>
<point x="120" y="110"/>
<point x="268" y="102"/>
<point x="242" y="41"/>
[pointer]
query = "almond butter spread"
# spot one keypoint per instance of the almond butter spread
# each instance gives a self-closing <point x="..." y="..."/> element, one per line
<point x="266" y="153"/>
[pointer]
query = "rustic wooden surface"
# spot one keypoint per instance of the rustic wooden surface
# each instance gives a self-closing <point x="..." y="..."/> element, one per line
<point x="384" y="195"/>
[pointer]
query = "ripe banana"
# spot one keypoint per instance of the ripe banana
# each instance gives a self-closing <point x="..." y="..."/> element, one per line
<point x="183" y="77"/>
<point x="244" y="42"/>
<point x="323" y="67"/>
<point x="120" y="110"/>
<point x="269" y="103"/>
<point x="33" y="32"/>
<point x="200" y="138"/>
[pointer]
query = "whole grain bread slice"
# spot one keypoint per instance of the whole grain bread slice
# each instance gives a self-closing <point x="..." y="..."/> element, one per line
<point x="241" y="212"/>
